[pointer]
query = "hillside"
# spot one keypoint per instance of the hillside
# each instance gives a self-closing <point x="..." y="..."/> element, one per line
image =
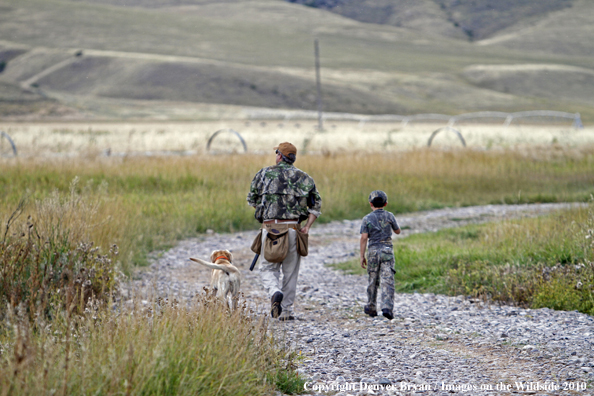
<point x="471" y="20"/>
<point x="68" y="57"/>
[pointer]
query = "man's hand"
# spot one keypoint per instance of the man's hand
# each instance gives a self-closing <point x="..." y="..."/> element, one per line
<point x="363" y="263"/>
<point x="310" y="220"/>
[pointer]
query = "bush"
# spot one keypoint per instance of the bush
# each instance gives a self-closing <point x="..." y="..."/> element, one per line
<point x="47" y="265"/>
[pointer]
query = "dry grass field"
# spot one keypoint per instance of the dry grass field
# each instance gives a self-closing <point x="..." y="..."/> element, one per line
<point x="189" y="138"/>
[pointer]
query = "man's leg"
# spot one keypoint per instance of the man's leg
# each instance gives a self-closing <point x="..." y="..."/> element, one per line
<point x="290" y="268"/>
<point x="269" y="272"/>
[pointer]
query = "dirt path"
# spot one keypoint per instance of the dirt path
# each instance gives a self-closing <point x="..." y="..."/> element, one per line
<point x="435" y="345"/>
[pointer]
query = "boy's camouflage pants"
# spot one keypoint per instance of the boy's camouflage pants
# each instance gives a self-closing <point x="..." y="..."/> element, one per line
<point x="380" y="266"/>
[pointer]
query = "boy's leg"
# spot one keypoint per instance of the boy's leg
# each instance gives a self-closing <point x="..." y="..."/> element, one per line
<point x="387" y="279"/>
<point x="373" y="271"/>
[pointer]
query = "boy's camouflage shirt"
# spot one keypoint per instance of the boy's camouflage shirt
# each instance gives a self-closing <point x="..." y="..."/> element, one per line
<point x="379" y="225"/>
<point x="282" y="191"/>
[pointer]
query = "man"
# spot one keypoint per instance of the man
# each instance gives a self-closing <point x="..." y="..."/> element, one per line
<point x="284" y="196"/>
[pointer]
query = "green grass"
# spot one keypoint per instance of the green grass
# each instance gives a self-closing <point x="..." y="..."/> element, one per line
<point x="535" y="262"/>
<point x="146" y="204"/>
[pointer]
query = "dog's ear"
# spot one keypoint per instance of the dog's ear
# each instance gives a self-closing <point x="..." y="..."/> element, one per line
<point x="229" y="255"/>
<point x="214" y="255"/>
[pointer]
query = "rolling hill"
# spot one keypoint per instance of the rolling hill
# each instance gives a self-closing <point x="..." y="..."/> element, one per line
<point x="469" y="20"/>
<point x="66" y="58"/>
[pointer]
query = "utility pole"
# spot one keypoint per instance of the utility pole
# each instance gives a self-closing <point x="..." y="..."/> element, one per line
<point x="318" y="85"/>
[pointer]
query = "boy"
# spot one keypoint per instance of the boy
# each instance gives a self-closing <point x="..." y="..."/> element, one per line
<point x="377" y="228"/>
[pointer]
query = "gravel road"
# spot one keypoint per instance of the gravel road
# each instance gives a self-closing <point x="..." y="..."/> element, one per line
<point x="435" y="345"/>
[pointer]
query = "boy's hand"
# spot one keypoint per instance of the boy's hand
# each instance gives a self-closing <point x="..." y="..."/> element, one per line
<point x="363" y="247"/>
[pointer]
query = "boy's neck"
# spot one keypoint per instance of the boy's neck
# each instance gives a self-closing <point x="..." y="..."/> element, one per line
<point x="374" y="208"/>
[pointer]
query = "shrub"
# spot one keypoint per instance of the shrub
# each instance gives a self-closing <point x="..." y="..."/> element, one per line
<point x="46" y="265"/>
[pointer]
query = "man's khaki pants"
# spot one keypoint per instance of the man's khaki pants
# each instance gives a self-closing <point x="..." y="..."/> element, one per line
<point x="270" y="274"/>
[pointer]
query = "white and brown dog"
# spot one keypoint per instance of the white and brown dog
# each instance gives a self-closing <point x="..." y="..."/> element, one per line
<point x="225" y="278"/>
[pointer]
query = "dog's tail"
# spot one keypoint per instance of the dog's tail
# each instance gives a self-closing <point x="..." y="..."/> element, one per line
<point x="224" y="268"/>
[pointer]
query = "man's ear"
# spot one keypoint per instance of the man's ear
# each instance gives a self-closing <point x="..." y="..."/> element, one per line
<point x="386" y="204"/>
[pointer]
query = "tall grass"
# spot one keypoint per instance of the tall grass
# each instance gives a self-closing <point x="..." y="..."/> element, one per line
<point x="160" y="349"/>
<point x="542" y="262"/>
<point x="149" y="203"/>
<point x="47" y="263"/>
<point x="64" y="329"/>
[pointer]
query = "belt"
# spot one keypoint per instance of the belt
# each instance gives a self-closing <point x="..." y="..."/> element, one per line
<point x="277" y="221"/>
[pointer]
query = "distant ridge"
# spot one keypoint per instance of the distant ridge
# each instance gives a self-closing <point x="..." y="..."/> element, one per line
<point x="472" y="20"/>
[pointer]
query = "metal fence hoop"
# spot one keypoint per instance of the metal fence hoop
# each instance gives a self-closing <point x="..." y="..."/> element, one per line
<point x="447" y="128"/>
<point x="12" y="145"/>
<point x="234" y="132"/>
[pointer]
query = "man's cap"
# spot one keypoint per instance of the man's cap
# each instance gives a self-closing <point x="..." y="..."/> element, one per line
<point x="378" y="194"/>
<point x="286" y="148"/>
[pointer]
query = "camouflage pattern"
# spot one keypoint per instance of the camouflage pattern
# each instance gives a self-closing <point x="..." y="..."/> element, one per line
<point x="282" y="191"/>
<point x="378" y="193"/>
<point x="380" y="268"/>
<point x="379" y="225"/>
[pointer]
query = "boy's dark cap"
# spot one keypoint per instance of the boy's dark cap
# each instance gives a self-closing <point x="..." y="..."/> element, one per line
<point x="286" y="148"/>
<point x="378" y="194"/>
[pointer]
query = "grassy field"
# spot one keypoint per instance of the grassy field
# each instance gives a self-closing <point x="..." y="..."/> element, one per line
<point x="543" y="262"/>
<point x="72" y="223"/>
<point x="147" y="203"/>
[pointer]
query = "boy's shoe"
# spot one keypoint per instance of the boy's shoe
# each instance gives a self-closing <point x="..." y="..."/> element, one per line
<point x="275" y="304"/>
<point x="387" y="313"/>
<point x="286" y="318"/>
<point x="369" y="311"/>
